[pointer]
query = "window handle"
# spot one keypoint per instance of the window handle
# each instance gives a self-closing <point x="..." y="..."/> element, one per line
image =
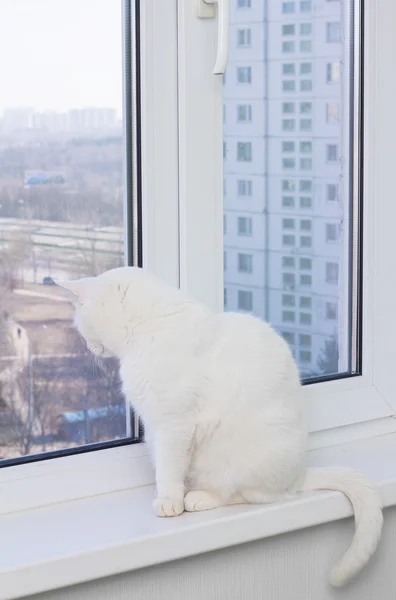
<point x="206" y="11"/>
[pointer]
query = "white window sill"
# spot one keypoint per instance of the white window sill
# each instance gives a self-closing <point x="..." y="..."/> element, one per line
<point x="65" y="544"/>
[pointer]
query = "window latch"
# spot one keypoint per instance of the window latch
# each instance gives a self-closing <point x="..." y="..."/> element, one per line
<point x="205" y="10"/>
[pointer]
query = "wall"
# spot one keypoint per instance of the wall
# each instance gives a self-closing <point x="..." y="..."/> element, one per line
<point x="288" y="567"/>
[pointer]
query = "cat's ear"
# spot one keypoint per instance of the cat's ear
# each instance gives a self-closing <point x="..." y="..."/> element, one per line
<point x="78" y="290"/>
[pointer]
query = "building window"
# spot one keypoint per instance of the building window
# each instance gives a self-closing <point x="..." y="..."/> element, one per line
<point x="288" y="336"/>
<point x="288" y="124"/>
<point x="288" y="262"/>
<point x="333" y="72"/>
<point x="288" y="146"/>
<point x="288" y="300"/>
<point x="306" y="164"/>
<point x="244" y="4"/>
<point x="331" y="152"/>
<point x="288" y="224"/>
<point x="331" y="311"/>
<point x="304" y="339"/>
<point x="288" y="316"/>
<point x="289" y="85"/>
<point x="245" y="225"/>
<point x="305" y="6"/>
<point x="244" y="113"/>
<point x="288" y="29"/>
<point x="305" y="302"/>
<point x="305" y="28"/>
<point x="288" y="69"/>
<point x="245" y="187"/>
<point x="332" y="273"/>
<point x="305" y="263"/>
<point x="305" y="124"/>
<point x="224" y="224"/>
<point x="305" y="68"/>
<point x="288" y="7"/>
<point x="288" y="280"/>
<point x="305" y="46"/>
<point x="224" y="150"/>
<point x="245" y="300"/>
<point x="332" y="192"/>
<point x="305" y="185"/>
<point x="305" y="280"/>
<point x="245" y="263"/>
<point x="288" y="107"/>
<point x="244" y="37"/>
<point x="333" y="32"/>
<point x="225" y="261"/>
<point x="305" y="319"/>
<point x="331" y="232"/>
<point x="305" y="356"/>
<point x="305" y="225"/>
<point x="244" y="74"/>
<point x="287" y="201"/>
<point x="305" y="241"/>
<point x="244" y="151"/>
<point x="288" y="240"/>
<point x="288" y="46"/>
<point x="225" y="298"/>
<point x="332" y="112"/>
<point x="305" y="85"/>
<point x="305" y="108"/>
<point x="305" y="202"/>
<point x="288" y="185"/>
<point x="288" y="163"/>
<point x="305" y="147"/>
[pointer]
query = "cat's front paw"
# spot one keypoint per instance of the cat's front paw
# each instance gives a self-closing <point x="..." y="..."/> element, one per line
<point x="168" y="507"/>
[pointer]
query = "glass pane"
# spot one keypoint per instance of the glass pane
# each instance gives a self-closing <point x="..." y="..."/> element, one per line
<point x="61" y="217"/>
<point x="288" y="177"/>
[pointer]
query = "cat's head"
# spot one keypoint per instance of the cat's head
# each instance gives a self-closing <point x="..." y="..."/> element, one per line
<point x="106" y="307"/>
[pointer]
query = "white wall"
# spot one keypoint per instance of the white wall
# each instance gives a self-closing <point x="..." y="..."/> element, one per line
<point x="288" y="567"/>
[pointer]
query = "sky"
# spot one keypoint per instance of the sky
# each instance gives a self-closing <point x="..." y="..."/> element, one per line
<point x="60" y="54"/>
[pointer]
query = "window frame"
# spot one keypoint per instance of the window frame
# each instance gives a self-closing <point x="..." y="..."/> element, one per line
<point x="175" y="78"/>
<point x="87" y="471"/>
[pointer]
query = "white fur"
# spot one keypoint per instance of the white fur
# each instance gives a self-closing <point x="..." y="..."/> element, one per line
<point x="219" y="396"/>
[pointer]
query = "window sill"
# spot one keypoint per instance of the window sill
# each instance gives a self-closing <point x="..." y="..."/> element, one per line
<point x="66" y="544"/>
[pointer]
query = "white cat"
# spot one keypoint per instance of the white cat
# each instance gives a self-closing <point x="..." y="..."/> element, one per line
<point x="219" y="396"/>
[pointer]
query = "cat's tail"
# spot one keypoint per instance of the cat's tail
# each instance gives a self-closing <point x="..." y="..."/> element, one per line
<point x="368" y="517"/>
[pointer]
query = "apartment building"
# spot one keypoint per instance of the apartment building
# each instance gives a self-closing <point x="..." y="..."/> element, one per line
<point x="286" y="172"/>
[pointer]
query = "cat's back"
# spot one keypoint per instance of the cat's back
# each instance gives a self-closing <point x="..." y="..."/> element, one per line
<point x="248" y="347"/>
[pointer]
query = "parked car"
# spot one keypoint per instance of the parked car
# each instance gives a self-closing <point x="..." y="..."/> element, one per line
<point x="48" y="281"/>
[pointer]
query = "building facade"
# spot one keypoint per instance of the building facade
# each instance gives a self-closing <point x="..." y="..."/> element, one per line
<point x="286" y="173"/>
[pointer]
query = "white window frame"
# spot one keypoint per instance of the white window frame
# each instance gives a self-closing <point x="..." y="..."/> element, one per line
<point x="182" y="178"/>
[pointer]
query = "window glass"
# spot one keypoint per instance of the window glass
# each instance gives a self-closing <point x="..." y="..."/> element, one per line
<point x="244" y="74"/>
<point x="244" y="113"/>
<point x="300" y="137"/>
<point x="333" y="32"/>
<point x="61" y="217"/>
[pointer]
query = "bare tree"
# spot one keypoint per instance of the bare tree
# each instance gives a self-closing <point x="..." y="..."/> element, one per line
<point x="17" y="250"/>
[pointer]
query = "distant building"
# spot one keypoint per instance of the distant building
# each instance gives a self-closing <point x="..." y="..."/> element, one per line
<point x="92" y="118"/>
<point x="17" y="119"/>
<point x="75" y="120"/>
<point x="50" y="121"/>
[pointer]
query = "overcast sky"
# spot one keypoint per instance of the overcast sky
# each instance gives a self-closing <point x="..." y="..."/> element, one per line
<point x="60" y="54"/>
